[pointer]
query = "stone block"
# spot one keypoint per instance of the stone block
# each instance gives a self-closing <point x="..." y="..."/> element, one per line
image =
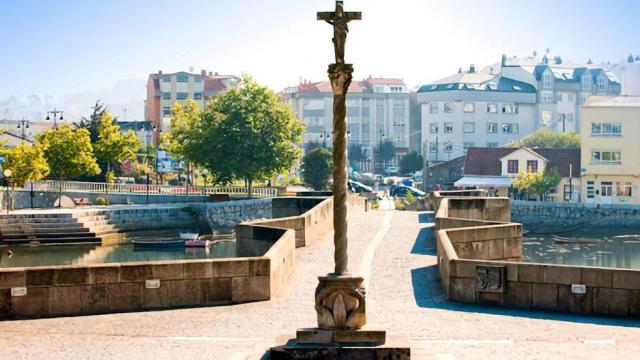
<point x="392" y="349"/>
<point x="531" y="273"/>
<point x="634" y="302"/>
<point x="464" y="269"/>
<point x="185" y="292"/>
<point x="105" y="274"/>
<point x="6" y="305"/>
<point x="626" y="279"/>
<point x="197" y="270"/>
<point x="42" y="277"/>
<point x="216" y="291"/>
<point x="490" y="298"/>
<point x="251" y="288"/>
<point x="71" y="276"/>
<point x="462" y="289"/>
<point x="65" y="300"/>
<point x="495" y="249"/>
<point x="511" y="272"/>
<point x="95" y="299"/>
<point x="359" y="336"/>
<point x="157" y="298"/>
<point x="595" y="277"/>
<point x="34" y="304"/>
<point x="314" y="336"/>
<point x="513" y="247"/>
<point x="544" y="296"/>
<point x="565" y="275"/>
<point x="172" y="271"/>
<point x="125" y="296"/>
<point x="610" y="301"/>
<point x="575" y="303"/>
<point x="518" y="295"/>
<point x="230" y="268"/>
<point x="12" y="278"/>
<point x="260" y="266"/>
<point x="135" y="273"/>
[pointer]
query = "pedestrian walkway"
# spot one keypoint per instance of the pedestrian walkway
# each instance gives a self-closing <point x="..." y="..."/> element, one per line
<point x="394" y="250"/>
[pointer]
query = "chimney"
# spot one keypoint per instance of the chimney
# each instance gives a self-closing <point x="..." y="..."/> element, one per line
<point x="504" y="60"/>
<point x="159" y="72"/>
<point x="210" y="73"/>
<point x="472" y="68"/>
<point x="216" y="73"/>
<point x="203" y="72"/>
<point x="459" y="70"/>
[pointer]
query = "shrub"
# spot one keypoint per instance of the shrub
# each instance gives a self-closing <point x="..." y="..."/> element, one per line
<point x="101" y="201"/>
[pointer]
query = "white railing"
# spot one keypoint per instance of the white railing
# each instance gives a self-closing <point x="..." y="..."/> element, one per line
<point x="97" y="187"/>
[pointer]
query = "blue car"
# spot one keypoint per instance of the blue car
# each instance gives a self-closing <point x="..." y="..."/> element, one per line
<point x="402" y="191"/>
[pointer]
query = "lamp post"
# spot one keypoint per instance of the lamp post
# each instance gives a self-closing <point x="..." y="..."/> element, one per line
<point x="7" y="174"/>
<point x="147" y="135"/>
<point x="205" y="172"/>
<point x="324" y="136"/>
<point x="23" y="125"/>
<point x="380" y="152"/>
<point x="55" y="113"/>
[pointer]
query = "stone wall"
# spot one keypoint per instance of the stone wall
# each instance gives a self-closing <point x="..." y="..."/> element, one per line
<point x="476" y="265"/>
<point x="559" y="216"/>
<point x="224" y="216"/>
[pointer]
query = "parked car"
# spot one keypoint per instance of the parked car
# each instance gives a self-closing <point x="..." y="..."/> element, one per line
<point x="357" y="187"/>
<point x="391" y="170"/>
<point x="408" y="182"/>
<point x="402" y="191"/>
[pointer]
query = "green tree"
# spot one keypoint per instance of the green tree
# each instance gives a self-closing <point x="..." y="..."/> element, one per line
<point x="114" y="147"/>
<point x="68" y="152"/>
<point x="536" y="183"/>
<point x="316" y="168"/>
<point x="357" y="154"/>
<point x="245" y="133"/>
<point x="547" y="139"/>
<point x="386" y="150"/>
<point x="26" y="162"/>
<point x="411" y="163"/>
<point x="93" y="122"/>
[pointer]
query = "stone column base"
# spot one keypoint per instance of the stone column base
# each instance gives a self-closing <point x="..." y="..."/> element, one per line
<point x="341" y="337"/>
<point x="392" y="349"/>
<point x="340" y="302"/>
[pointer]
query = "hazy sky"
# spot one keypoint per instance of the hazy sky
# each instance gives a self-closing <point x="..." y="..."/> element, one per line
<point x="55" y="47"/>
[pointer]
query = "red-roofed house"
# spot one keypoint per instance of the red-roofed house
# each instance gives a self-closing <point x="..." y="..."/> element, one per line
<point x="493" y="167"/>
<point x="378" y="110"/>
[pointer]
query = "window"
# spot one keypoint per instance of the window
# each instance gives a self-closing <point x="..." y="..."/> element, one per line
<point x="546" y="81"/>
<point x="467" y="145"/>
<point x="469" y="127"/>
<point x="469" y="107"/>
<point x="586" y="83"/>
<point x="507" y="108"/>
<point x="583" y="99"/>
<point x="448" y="108"/>
<point x="512" y="166"/>
<point x="492" y="144"/>
<point x="568" y="190"/>
<point x="166" y="111"/>
<point x="182" y="78"/>
<point x="166" y="79"/>
<point x="492" y="128"/>
<point x="166" y="96"/>
<point x="602" y="83"/>
<point x="433" y="108"/>
<point x="532" y="166"/>
<point x="197" y="96"/>
<point x="433" y="147"/>
<point x="509" y="128"/>
<point x="547" y="97"/>
<point x="606" y="156"/>
<point x="559" y="97"/>
<point x="606" y="129"/>
<point x="623" y="188"/>
<point x="571" y="98"/>
<point x="448" y="128"/>
<point x="546" y="118"/>
<point x="434" y="128"/>
<point x="448" y="147"/>
<point x="492" y="108"/>
<point x="197" y="79"/>
<point x="182" y="95"/>
<point x="570" y="118"/>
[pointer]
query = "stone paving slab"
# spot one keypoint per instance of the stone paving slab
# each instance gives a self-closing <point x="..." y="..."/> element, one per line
<point x="404" y="297"/>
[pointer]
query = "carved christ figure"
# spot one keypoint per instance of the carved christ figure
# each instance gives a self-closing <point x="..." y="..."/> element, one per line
<point x="340" y="30"/>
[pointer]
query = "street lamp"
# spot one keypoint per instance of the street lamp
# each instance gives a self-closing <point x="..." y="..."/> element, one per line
<point x="148" y="135"/>
<point x="380" y="152"/>
<point x="55" y="113"/>
<point x="324" y="136"/>
<point x="23" y="125"/>
<point x="7" y="174"/>
<point x="205" y="172"/>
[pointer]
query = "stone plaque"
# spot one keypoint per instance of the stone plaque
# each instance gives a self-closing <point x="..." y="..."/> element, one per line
<point x="490" y="278"/>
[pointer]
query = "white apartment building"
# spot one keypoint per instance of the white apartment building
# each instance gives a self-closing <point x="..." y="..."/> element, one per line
<point x="473" y="109"/>
<point x="378" y="110"/>
<point x="628" y="72"/>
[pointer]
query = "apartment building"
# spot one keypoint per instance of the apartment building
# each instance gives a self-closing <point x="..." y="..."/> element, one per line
<point x="164" y="90"/>
<point x="610" y="150"/>
<point x="378" y="110"/>
<point x="473" y="109"/>
<point x="628" y="73"/>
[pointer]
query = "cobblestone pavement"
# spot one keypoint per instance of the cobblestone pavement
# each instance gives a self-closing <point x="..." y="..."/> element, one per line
<point x="404" y="298"/>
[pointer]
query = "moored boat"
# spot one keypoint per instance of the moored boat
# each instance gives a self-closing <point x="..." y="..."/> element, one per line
<point x="188" y="236"/>
<point x="160" y="244"/>
<point x="197" y="243"/>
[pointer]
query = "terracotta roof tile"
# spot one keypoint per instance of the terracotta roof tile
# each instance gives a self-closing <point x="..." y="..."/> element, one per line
<point x="486" y="161"/>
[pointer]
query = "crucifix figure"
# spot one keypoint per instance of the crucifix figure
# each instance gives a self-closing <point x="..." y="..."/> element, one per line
<point x="339" y="20"/>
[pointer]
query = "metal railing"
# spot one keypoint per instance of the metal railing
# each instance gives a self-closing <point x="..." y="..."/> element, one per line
<point x="98" y="187"/>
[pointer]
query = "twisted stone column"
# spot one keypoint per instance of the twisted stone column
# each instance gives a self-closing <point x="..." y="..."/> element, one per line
<point x="340" y="76"/>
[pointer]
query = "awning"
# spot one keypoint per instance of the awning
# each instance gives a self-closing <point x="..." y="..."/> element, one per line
<point x="484" y="181"/>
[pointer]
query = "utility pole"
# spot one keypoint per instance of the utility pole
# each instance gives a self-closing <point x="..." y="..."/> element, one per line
<point x="55" y="113"/>
<point x="437" y="148"/>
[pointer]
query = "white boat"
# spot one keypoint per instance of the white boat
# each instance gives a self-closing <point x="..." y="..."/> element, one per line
<point x="188" y="236"/>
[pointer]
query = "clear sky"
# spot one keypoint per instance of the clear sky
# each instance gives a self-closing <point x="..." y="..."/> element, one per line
<point x="58" y="47"/>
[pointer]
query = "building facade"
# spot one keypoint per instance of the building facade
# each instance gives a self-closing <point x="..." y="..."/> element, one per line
<point x="628" y="73"/>
<point x="610" y="150"/>
<point x="473" y="109"/>
<point x="378" y="110"/>
<point x="164" y="90"/>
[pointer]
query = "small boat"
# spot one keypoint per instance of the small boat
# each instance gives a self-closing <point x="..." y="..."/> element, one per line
<point x="197" y="243"/>
<point x="567" y="240"/>
<point x="161" y="244"/>
<point x="188" y="236"/>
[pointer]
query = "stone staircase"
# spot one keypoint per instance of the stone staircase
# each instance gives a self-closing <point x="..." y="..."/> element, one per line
<point x="94" y="225"/>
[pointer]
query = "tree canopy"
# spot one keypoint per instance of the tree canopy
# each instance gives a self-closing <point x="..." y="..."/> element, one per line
<point x="548" y="139"/>
<point x="26" y="162"/>
<point x="386" y="150"/>
<point x="68" y="152"/>
<point x="92" y="123"/>
<point x="114" y="147"/>
<point x="538" y="182"/>
<point x="316" y="168"/>
<point x="245" y="133"/>
<point x="411" y="163"/>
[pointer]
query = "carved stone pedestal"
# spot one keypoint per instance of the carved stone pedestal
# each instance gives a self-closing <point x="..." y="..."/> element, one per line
<point x="340" y="302"/>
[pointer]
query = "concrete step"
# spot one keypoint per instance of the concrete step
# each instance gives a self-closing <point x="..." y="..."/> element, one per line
<point x="72" y="240"/>
<point x="46" y="235"/>
<point x="74" y="230"/>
